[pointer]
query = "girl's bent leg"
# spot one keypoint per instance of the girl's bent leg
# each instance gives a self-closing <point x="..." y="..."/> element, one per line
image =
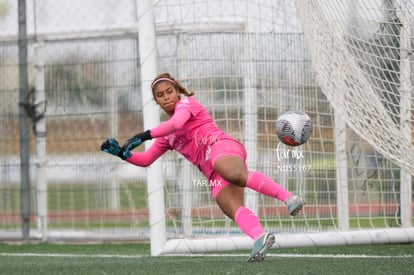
<point x="233" y="169"/>
<point x="230" y="200"/>
<point x="248" y="222"/>
<point x="266" y="186"/>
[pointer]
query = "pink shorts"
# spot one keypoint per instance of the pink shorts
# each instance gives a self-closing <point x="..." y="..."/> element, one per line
<point x="224" y="147"/>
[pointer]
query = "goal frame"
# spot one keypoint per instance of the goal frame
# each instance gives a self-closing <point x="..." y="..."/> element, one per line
<point x="343" y="236"/>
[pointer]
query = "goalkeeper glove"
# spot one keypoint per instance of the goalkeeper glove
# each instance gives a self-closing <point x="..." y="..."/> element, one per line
<point x="111" y="146"/>
<point x="134" y="142"/>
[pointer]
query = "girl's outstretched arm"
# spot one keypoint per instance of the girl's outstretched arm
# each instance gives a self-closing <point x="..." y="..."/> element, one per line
<point x="146" y="158"/>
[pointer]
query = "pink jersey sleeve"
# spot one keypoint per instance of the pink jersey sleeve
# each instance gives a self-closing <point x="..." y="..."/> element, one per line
<point x="180" y="117"/>
<point x="144" y="159"/>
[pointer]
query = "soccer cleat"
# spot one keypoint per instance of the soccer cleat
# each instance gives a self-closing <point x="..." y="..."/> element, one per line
<point x="295" y="204"/>
<point x="260" y="247"/>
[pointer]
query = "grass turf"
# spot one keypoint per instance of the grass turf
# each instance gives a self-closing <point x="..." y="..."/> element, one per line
<point x="134" y="259"/>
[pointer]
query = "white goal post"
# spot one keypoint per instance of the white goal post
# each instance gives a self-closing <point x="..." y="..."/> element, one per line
<point x="341" y="49"/>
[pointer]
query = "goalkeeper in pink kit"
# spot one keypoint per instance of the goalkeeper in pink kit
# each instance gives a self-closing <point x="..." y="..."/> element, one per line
<point x="191" y="131"/>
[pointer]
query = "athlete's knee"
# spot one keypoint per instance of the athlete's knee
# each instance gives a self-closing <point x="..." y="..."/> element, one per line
<point x="232" y="169"/>
<point x="236" y="176"/>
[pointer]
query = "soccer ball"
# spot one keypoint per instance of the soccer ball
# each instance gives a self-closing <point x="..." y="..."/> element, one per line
<point x="293" y="127"/>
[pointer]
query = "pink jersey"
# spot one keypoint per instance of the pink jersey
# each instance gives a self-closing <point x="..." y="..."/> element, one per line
<point x="191" y="131"/>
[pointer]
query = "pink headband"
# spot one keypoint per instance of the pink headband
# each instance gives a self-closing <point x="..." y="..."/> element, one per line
<point x="155" y="82"/>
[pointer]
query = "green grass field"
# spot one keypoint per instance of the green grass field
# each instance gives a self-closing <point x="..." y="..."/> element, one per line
<point x="134" y="259"/>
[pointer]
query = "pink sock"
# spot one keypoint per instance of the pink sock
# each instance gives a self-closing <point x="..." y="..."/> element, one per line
<point x="266" y="186"/>
<point x="248" y="222"/>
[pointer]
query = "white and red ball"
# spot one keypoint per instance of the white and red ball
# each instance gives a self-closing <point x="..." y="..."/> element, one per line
<point x="293" y="127"/>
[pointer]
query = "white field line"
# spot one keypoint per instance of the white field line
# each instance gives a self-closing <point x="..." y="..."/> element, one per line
<point x="345" y="256"/>
<point x="58" y="255"/>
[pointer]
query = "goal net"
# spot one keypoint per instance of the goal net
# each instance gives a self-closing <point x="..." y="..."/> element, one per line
<point x="348" y="65"/>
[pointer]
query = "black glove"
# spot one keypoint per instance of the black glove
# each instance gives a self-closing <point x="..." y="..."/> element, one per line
<point x="134" y="142"/>
<point x="111" y="146"/>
